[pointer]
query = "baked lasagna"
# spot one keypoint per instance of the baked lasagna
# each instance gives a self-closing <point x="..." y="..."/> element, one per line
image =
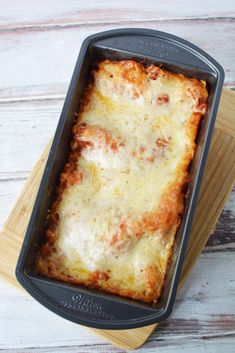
<point x="121" y="194"/>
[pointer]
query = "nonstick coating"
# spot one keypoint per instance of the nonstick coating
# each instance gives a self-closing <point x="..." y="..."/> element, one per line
<point x="86" y="306"/>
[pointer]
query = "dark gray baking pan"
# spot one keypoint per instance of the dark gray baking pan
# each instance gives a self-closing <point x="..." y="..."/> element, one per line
<point x="87" y="306"/>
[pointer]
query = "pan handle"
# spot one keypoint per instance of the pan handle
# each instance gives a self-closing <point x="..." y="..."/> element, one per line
<point x="153" y="45"/>
<point x="82" y="306"/>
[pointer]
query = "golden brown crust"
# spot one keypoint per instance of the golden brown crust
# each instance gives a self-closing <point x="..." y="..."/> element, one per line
<point x="99" y="280"/>
<point x="164" y="218"/>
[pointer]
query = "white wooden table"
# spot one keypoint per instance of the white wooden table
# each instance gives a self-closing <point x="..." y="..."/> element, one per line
<point x="39" y="44"/>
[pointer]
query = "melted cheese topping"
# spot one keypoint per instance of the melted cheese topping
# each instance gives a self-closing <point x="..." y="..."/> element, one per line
<point x="138" y="143"/>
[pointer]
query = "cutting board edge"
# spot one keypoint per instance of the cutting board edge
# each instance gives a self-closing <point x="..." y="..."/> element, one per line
<point x="149" y="329"/>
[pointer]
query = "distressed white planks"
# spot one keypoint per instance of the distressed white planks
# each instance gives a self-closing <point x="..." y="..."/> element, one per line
<point x="39" y="44"/>
<point x="27" y="14"/>
<point x="39" y="63"/>
<point x="23" y="125"/>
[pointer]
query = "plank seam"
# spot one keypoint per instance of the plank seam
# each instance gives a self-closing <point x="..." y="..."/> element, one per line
<point x="75" y="24"/>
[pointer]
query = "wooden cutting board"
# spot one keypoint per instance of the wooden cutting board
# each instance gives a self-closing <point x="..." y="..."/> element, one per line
<point x="217" y="183"/>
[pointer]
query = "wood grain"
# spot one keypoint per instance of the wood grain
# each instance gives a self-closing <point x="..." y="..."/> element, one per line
<point x="42" y="70"/>
<point x="223" y="238"/>
<point x="218" y="169"/>
<point x="228" y="103"/>
<point x="217" y="183"/>
<point x="34" y="38"/>
<point x="26" y="14"/>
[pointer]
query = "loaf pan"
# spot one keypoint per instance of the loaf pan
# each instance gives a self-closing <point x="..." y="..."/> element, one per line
<point x="88" y="306"/>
